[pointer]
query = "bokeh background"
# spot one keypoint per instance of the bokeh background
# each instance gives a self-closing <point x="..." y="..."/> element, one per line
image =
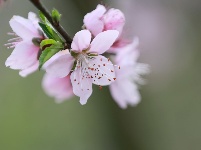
<point x="169" y="115"/>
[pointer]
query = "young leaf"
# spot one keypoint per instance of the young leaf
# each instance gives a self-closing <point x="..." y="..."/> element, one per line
<point x="55" y="35"/>
<point x="50" y="32"/>
<point x="46" y="30"/>
<point x="56" y="16"/>
<point x="49" y="52"/>
<point x="47" y="42"/>
<point x="42" y="17"/>
<point x="47" y="27"/>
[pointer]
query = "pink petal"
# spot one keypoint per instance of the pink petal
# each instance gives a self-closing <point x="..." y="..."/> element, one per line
<point x="129" y="69"/>
<point x="103" y="41"/>
<point x="61" y="66"/>
<point x="81" y="41"/>
<point x="129" y="54"/>
<point x="117" y="95"/>
<point x="133" y="72"/>
<point x="34" y="19"/>
<point x="125" y="93"/>
<point x="29" y="70"/>
<point x="56" y="56"/>
<point x="93" y="20"/>
<point x="59" y="88"/>
<point x="23" y="28"/>
<point x="82" y="87"/>
<point x="142" y="69"/>
<point x="102" y="71"/>
<point x="119" y="44"/>
<point x="23" y="56"/>
<point x="114" y="20"/>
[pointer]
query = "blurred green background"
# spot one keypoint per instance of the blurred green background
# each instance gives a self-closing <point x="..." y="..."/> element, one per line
<point x="168" y="118"/>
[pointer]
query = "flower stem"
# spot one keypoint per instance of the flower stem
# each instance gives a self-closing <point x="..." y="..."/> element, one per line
<point x="57" y="26"/>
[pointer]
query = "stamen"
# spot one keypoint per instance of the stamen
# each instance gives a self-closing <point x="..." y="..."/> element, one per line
<point x="12" y="33"/>
<point x="100" y="87"/>
<point x="93" y="71"/>
<point x="14" y="41"/>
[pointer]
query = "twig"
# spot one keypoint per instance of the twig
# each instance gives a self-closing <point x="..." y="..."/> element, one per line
<point x="57" y="26"/>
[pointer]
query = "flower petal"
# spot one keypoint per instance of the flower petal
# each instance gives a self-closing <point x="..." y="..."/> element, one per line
<point x="59" y="88"/>
<point x="29" y="70"/>
<point x="82" y="86"/>
<point x="93" y="20"/>
<point x="34" y="19"/>
<point x="23" y="28"/>
<point x="23" y="56"/>
<point x="102" y="71"/>
<point x="129" y="54"/>
<point x="103" y="41"/>
<point x="125" y="93"/>
<point x="81" y="41"/>
<point x="114" y="19"/>
<point x="56" y="56"/>
<point x="61" y="66"/>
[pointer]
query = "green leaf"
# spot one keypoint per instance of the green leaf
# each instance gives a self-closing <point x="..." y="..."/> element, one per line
<point x="47" y="42"/>
<point x="47" y="27"/>
<point x="56" y="16"/>
<point x="42" y="17"/>
<point x="49" y="52"/>
<point x="50" y="32"/>
<point x="55" y="35"/>
<point x="46" y="30"/>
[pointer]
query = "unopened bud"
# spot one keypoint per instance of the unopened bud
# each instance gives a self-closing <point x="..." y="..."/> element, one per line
<point x="56" y="16"/>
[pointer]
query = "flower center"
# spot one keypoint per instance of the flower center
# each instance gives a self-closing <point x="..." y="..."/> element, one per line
<point x="83" y="61"/>
<point x="93" y="67"/>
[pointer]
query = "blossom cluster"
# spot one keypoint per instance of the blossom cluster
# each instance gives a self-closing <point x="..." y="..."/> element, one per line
<point x="98" y="54"/>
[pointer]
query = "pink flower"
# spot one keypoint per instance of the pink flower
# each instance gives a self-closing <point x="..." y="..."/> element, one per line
<point x="59" y="88"/>
<point x="125" y="89"/>
<point x="100" y="20"/>
<point x="24" y="55"/>
<point x="90" y="67"/>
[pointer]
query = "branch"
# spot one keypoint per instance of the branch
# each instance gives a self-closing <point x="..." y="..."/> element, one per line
<point x="57" y="26"/>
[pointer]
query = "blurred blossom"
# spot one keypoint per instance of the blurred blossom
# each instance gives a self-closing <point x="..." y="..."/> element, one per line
<point x="125" y="89"/>
<point x="59" y="88"/>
